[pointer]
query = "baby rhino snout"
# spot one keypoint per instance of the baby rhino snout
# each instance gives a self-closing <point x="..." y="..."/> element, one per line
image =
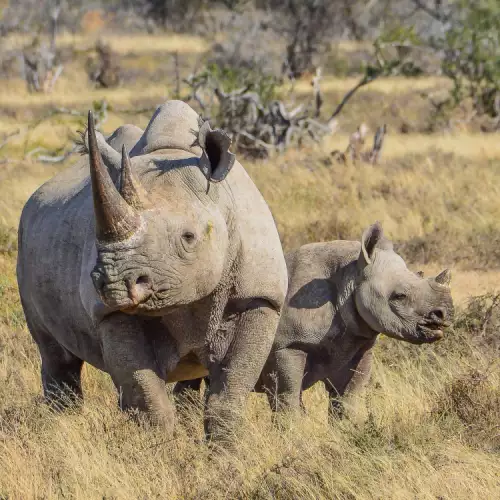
<point x="439" y="316"/>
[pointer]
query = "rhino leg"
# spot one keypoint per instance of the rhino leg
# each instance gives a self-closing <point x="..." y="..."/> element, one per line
<point x="130" y="360"/>
<point x="348" y="384"/>
<point x="233" y="378"/>
<point x="282" y="379"/>
<point x="61" y="372"/>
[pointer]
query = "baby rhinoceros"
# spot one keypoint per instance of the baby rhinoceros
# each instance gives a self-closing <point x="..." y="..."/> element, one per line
<point x="160" y="266"/>
<point x="341" y="296"/>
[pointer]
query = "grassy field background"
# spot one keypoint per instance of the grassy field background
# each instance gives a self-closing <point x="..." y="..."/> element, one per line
<point x="430" y="425"/>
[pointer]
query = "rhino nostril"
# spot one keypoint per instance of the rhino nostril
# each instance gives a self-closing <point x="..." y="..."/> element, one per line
<point x="143" y="281"/>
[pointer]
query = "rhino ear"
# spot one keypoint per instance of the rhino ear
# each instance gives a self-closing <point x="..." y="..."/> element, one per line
<point x="371" y="237"/>
<point x="216" y="161"/>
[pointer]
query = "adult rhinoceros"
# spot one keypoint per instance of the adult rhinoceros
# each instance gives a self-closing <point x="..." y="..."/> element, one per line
<point x="341" y="296"/>
<point x="175" y="273"/>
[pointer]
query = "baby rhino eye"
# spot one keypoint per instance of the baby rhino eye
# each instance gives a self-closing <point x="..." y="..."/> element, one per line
<point x="398" y="296"/>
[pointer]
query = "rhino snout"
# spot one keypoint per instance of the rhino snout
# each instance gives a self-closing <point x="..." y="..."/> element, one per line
<point x="125" y="293"/>
<point x="139" y="289"/>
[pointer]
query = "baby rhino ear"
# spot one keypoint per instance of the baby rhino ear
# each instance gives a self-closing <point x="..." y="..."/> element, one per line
<point x="371" y="237"/>
<point x="216" y="161"/>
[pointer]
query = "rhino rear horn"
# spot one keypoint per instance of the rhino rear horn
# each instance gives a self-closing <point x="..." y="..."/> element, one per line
<point x="130" y="188"/>
<point x="115" y="219"/>
<point x="443" y="278"/>
<point x="216" y="160"/>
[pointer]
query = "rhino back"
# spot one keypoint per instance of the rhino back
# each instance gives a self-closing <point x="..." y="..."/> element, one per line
<point x="316" y="275"/>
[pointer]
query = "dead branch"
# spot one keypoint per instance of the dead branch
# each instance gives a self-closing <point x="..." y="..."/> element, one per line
<point x="378" y="142"/>
<point x="318" y="99"/>
<point x="177" y="75"/>
<point x="364" y="81"/>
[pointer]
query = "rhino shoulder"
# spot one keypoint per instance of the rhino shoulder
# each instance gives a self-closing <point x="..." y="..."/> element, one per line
<point x="262" y="270"/>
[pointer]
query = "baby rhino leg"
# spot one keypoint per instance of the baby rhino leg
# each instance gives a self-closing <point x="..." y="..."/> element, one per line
<point x="282" y="379"/>
<point x="348" y="384"/>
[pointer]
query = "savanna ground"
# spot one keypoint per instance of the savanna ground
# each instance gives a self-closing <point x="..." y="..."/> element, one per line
<point x="430" y="428"/>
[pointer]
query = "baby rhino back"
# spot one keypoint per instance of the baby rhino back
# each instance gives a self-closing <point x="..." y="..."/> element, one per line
<point x="317" y="276"/>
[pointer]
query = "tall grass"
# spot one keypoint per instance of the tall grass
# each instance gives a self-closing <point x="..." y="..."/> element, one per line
<point x="429" y="430"/>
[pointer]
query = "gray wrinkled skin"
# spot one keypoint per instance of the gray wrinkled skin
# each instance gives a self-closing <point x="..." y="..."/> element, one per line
<point x="341" y="296"/>
<point x="175" y="273"/>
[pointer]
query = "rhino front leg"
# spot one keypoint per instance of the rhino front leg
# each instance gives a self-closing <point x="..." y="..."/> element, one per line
<point x="232" y="379"/>
<point x="61" y="373"/>
<point x="130" y="360"/>
<point x="348" y="384"/>
<point x="282" y="377"/>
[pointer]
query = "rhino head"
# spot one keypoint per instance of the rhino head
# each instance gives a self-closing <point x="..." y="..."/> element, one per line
<point x="162" y="244"/>
<point x="395" y="301"/>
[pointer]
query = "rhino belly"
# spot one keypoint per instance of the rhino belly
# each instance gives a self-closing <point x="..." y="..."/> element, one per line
<point x="188" y="368"/>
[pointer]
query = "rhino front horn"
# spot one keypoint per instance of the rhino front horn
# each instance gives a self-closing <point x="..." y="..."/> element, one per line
<point x="444" y="278"/>
<point x="115" y="219"/>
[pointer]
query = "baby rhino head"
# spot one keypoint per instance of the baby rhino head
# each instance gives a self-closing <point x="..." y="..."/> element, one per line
<point x="393" y="300"/>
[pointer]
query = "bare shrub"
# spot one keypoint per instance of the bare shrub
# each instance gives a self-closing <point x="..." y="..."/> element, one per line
<point x="473" y="399"/>
<point x="481" y="319"/>
<point x="244" y="103"/>
<point x="104" y="68"/>
<point x="355" y="151"/>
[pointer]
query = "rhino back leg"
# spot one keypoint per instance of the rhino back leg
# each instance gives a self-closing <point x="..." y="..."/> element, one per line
<point x="348" y="384"/>
<point x="61" y="371"/>
<point x="282" y="379"/>
<point x="130" y="359"/>
<point x="235" y="376"/>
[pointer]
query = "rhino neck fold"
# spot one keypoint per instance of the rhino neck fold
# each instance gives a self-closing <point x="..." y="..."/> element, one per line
<point x="345" y="305"/>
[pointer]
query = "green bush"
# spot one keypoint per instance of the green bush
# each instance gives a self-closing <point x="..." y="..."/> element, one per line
<point x="471" y="54"/>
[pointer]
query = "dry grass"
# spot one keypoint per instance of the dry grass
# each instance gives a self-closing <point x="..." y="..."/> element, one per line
<point x="78" y="94"/>
<point x="432" y="202"/>
<point x="122" y="44"/>
<point x="431" y="432"/>
<point x="430" y="427"/>
<point x="385" y="86"/>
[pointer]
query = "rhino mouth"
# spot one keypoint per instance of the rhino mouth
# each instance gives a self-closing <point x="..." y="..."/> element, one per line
<point x="149" y="307"/>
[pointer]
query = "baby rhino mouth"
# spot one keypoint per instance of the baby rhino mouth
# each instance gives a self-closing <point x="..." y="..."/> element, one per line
<point x="431" y="331"/>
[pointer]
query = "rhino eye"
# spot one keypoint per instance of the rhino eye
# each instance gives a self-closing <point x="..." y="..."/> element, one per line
<point x="188" y="237"/>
